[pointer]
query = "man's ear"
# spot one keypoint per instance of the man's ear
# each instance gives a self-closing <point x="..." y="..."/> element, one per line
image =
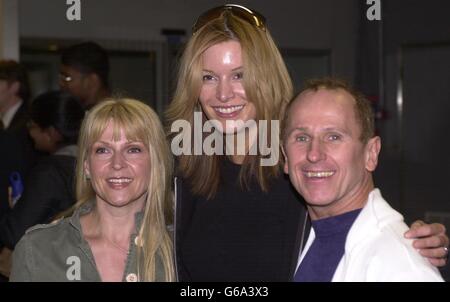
<point x="285" y="166"/>
<point x="90" y="83"/>
<point x="54" y="134"/>
<point x="15" y="87"/>
<point x="372" y="150"/>
<point x="94" y="81"/>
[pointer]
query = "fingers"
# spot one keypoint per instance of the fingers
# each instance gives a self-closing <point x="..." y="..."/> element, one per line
<point x="438" y="252"/>
<point x="431" y="242"/>
<point x="438" y="262"/>
<point x="437" y="256"/>
<point x="420" y="229"/>
<point x="416" y="224"/>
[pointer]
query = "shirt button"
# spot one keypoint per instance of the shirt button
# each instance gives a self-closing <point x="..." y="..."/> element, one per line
<point x="131" y="278"/>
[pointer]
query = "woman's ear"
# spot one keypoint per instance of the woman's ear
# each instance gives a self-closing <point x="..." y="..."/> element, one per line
<point x="87" y="172"/>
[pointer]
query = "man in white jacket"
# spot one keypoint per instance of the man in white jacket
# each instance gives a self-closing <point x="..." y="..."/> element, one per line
<point x="331" y="152"/>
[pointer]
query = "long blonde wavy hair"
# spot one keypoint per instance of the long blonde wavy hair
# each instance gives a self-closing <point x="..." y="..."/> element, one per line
<point x="139" y="123"/>
<point x="266" y="82"/>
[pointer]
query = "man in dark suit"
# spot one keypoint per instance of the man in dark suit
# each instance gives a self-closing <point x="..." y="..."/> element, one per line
<point x="16" y="153"/>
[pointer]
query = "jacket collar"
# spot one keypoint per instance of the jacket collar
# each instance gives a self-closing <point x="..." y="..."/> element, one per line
<point x="375" y="215"/>
<point x="88" y="206"/>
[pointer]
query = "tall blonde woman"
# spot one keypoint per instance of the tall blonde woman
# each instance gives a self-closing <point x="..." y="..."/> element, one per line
<point x="118" y="229"/>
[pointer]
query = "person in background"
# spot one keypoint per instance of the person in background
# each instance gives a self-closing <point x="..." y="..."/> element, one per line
<point x="331" y="151"/>
<point x="84" y="73"/>
<point x="17" y="154"/>
<point x="118" y="231"/>
<point x="14" y="95"/>
<point x="55" y="119"/>
<point x="240" y="215"/>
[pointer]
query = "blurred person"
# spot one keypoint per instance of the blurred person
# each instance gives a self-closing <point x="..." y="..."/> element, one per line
<point x="331" y="151"/>
<point x="84" y="72"/>
<point x="118" y="229"/>
<point x="14" y="95"/>
<point x="17" y="154"/>
<point x="55" y="119"/>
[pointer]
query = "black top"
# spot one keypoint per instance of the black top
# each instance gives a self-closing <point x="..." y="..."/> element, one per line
<point x="49" y="190"/>
<point x="240" y="235"/>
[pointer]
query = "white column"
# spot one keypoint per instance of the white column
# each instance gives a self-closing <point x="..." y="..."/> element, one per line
<point x="9" y="29"/>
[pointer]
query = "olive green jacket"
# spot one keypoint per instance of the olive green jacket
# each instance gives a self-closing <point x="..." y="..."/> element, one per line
<point x="57" y="252"/>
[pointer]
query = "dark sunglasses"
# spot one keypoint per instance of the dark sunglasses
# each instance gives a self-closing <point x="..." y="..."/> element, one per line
<point x="248" y="15"/>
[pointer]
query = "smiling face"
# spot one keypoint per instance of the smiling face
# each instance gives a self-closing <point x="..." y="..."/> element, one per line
<point x="327" y="162"/>
<point x="222" y="94"/>
<point x="119" y="169"/>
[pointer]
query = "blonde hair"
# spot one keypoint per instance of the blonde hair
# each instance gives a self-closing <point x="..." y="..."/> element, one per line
<point x="140" y="123"/>
<point x="266" y="82"/>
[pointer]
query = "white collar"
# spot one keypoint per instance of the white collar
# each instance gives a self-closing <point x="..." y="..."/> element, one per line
<point x="9" y="114"/>
<point x="70" y="150"/>
<point x="376" y="214"/>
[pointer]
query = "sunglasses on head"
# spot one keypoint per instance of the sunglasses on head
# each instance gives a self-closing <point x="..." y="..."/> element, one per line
<point x="248" y="15"/>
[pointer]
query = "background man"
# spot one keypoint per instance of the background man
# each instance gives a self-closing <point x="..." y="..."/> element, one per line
<point x="84" y="73"/>
<point x="14" y="94"/>
<point x="17" y="154"/>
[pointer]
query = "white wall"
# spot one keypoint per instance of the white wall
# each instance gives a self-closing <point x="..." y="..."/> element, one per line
<point x="311" y="24"/>
<point x="9" y="40"/>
